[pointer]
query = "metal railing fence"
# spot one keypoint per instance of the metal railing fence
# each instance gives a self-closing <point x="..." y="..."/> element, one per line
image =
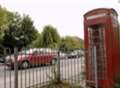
<point x="36" y="67"/>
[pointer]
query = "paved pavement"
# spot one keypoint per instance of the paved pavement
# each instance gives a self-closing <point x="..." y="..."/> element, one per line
<point x="70" y="69"/>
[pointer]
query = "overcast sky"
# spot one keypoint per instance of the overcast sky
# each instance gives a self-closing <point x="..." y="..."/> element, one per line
<point x="65" y="15"/>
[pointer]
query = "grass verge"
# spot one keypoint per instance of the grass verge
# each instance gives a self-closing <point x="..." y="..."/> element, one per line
<point x="60" y="85"/>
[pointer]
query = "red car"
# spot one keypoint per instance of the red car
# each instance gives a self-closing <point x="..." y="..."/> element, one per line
<point x="32" y="57"/>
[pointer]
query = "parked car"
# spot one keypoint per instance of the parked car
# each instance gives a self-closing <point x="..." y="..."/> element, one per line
<point x="32" y="57"/>
<point x="72" y="55"/>
<point x="75" y="54"/>
<point x="63" y="55"/>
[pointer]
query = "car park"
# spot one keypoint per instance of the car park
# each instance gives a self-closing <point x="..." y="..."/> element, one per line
<point x="31" y="57"/>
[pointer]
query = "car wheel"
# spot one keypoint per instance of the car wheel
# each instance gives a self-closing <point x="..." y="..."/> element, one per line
<point x="25" y="64"/>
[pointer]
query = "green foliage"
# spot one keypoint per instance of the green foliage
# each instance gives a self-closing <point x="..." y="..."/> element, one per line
<point x="11" y="33"/>
<point x="4" y="21"/>
<point x="70" y="43"/>
<point x="28" y="30"/>
<point x="60" y="85"/>
<point x="4" y="17"/>
<point x="37" y="43"/>
<point x="50" y="37"/>
<point x="16" y="31"/>
<point x="20" y="32"/>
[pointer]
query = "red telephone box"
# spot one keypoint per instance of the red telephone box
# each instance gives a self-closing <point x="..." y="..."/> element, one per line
<point x="101" y="30"/>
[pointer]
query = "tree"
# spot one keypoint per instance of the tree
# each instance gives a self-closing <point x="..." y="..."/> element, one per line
<point x="69" y="43"/>
<point x="20" y="33"/>
<point x="37" y="43"/>
<point x="16" y="31"/>
<point x="11" y="34"/>
<point x="50" y="37"/>
<point x="5" y="16"/>
<point x="28" y="30"/>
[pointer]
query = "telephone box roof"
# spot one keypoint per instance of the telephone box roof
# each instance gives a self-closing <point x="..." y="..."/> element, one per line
<point x="101" y="10"/>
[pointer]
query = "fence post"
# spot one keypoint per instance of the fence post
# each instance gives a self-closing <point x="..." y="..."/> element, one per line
<point x="58" y="66"/>
<point x="16" y="68"/>
<point x="5" y="54"/>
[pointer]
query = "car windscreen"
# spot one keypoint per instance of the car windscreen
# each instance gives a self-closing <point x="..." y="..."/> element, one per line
<point x="26" y="52"/>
